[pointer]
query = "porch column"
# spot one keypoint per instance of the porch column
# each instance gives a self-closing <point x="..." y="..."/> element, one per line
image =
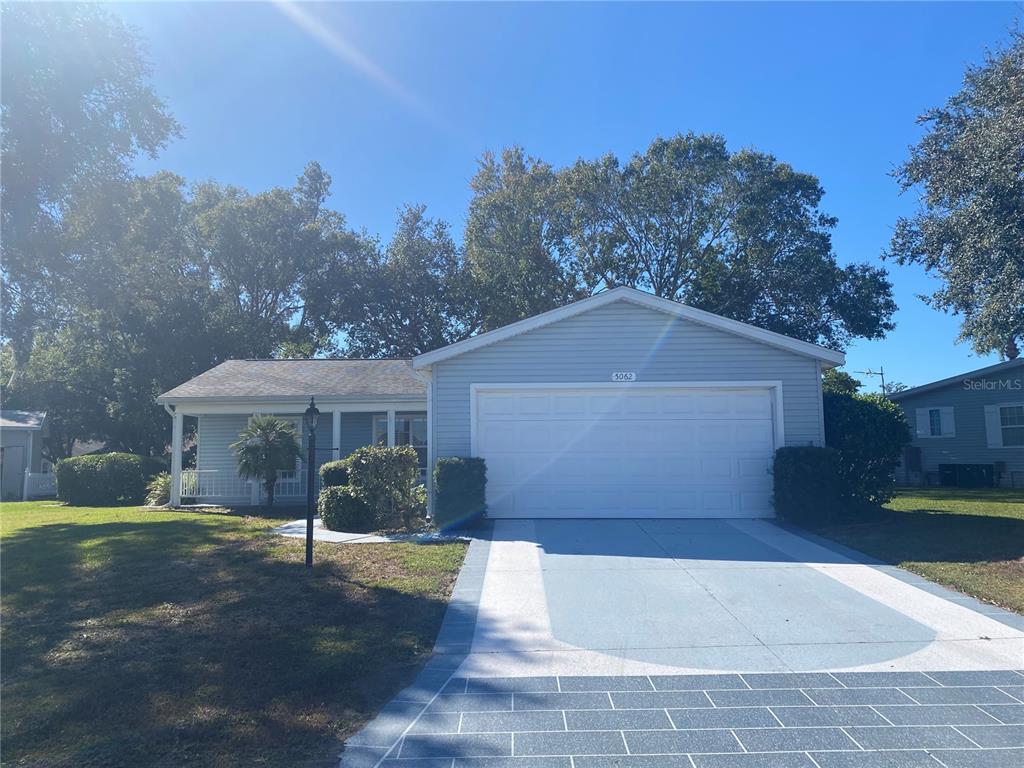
<point x="336" y="435"/>
<point x="176" y="439"/>
<point x="391" y="427"/>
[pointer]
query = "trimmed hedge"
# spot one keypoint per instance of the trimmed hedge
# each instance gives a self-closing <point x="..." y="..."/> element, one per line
<point x="105" y="479"/>
<point x="333" y="474"/>
<point x="808" y="484"/>
<point x="340" y="510"/>
<point x="388" y="480"/>
<point x="459" y="491"/>
<point x="870" y="433"/>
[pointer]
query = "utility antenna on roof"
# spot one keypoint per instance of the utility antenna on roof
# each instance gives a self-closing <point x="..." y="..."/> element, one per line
<point x="879" y="372"/>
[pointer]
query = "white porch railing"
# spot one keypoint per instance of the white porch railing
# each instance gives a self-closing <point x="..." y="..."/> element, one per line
<point x="290" y="487"/>
<point x="40" y="484"/>
<point x="213" y="483"/>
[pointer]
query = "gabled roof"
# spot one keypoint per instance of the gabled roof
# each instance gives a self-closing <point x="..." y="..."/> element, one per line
<point x="987" y="371"/>
<point x="302" y="378"/>
<point x="22" y="419"/>
<point x="623" y="293"/>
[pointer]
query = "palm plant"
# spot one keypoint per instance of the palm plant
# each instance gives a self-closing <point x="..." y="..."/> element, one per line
<point x="267" y="446"/>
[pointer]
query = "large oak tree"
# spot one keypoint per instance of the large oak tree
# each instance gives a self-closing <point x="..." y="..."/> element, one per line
<point x="76" y="109"/>
<point x="739" y="234"/>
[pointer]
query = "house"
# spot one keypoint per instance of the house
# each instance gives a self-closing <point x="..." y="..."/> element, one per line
<point x="24" y="473"/>
<point x="968" y="430"/>
<point x="622" y="404"/>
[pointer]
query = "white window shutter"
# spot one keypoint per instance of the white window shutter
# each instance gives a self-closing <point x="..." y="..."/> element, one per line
<point x="923" y="428"/>
<point x="948" y="425"/>
<point x="993" y="428"/>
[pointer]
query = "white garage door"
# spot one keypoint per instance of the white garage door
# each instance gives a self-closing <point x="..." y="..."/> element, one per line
<point x="626" y="452"/>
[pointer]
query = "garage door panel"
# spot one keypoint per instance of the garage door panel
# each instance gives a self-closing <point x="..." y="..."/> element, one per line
<point x="656" y="453"/>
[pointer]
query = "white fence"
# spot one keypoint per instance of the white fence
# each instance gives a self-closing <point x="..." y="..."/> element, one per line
<point x="39" y="485"/>
<point x="219" y="484"/>
<point x="213" y="483"/>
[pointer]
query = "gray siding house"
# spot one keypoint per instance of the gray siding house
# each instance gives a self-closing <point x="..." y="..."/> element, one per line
<point x="967" y="429"/>
<point x="24" y="473"/>
<point x="622" y="404"/>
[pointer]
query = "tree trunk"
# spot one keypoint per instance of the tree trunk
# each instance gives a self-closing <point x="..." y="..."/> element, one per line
<point x="270" y="491"/>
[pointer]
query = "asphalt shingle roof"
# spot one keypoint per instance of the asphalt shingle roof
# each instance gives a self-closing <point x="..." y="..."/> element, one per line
<point x="301" y="378"/>
<point x="21" y="419"/>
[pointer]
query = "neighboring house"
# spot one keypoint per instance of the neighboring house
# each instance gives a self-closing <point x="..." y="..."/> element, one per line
<point x="968" y="430"/>
<point x="24" y="473"/>
<point x="619" y="405"/>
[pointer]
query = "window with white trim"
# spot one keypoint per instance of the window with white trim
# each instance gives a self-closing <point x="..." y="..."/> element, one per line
<point x="1011" y="424"/>
<point x="411" y="429"/>
<point x="936" y="422"/>
<point x="380" y="429"/>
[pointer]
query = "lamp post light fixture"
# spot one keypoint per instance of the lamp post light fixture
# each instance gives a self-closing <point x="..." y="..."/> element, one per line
<point x="310" y="418"/>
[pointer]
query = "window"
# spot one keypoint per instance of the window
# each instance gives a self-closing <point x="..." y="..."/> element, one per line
<point x="411" y="429"/>
<point x="380" y="429"/>
<point x="936" y="422"/>
<point x="1011" y="423"/>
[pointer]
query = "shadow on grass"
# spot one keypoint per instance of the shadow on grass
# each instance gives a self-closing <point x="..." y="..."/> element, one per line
<point x="191" y="643"/>
<point x="933" y="535"/>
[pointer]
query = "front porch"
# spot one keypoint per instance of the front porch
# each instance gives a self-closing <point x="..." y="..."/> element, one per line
<point x="342" y="428"/>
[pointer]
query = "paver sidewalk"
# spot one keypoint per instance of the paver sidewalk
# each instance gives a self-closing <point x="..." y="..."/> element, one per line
<point x="817" y="720"/>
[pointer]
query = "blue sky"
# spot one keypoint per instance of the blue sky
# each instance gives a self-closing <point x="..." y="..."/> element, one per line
<point x="397" y="102"/>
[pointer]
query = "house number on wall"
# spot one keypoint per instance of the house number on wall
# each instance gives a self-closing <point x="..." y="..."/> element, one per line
<point x="624" y="376"/>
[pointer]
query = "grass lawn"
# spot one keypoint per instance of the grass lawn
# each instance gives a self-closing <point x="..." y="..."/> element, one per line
<point x="151" y="638"/>
<point x="970" y="540"/>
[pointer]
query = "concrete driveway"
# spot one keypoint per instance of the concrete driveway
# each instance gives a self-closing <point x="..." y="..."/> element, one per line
<point x="616" y="597"/>
<point x="701" y="644"/>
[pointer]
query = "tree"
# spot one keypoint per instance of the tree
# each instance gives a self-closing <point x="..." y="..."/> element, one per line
<point x="839" y="382"/>
<point x="969" y="230"/>
<point x="282" y="264"/>
<point x="414" y="294"/>
<point x="164" y="283"/>
<point x="892" y="387"/>
<point x="76" y="110"/>
<point x="741" y="235"/>
<point x="511" y="241"/>
<point x="268" y="445"/>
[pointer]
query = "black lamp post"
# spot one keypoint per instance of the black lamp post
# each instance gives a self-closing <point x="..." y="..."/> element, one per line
<point x="310" y="419"/>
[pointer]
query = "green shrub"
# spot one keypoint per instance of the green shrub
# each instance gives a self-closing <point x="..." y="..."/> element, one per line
<point x="104" y="479"/>
<point x="340" y="510"/>
<point x="869" y="432"/>
<point x="158" y="490"/>
<point x="807" y="484"/>
<point x="387" y="479"/>
<point x="459" y="491"/>
<point x="333" y="474"/>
